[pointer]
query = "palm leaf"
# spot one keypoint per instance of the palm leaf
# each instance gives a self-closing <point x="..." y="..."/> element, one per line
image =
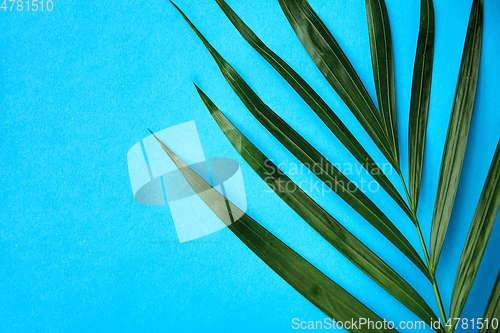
<point x="383" y="68"/>
<point x="311" y="158"/>
<point x="458" y="132"/>
<point x="420" y="98"/>
<point x="325" y="294"/>
<point x="492" y="310"/>
<point x="477" y="239"/>
<point x="319" y="219"/>
<point x="336" y="68"/>
<point x="317" y="104"/>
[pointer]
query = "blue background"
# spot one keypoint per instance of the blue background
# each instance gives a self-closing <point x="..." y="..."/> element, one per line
<point x="83" y="82"/>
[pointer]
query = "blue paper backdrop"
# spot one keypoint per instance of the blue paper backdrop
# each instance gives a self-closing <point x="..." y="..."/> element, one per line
<point x="80" y="85"/>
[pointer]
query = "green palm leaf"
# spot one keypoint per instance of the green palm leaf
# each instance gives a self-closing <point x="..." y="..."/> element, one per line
<point x="339" y="72"/>
<point x="311" y="158"/>
<point x="477" y="239"/>
<point x="383" y="67"/>
<point x="317" y="104"/>
<point x="325" y="294"/>
<point x="458" y="132"/>
<point x="420" y="98"/>
<point x="382" y="128"/>
<point x="492" y="310"/>
<point x="320" y="220"/>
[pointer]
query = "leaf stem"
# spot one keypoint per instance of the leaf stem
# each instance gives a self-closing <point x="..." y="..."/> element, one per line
<point x="440" y="302"/>
<point x="432" y="274"/>
<point x="432" y="271"/>
<point x="398" y="170"/>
